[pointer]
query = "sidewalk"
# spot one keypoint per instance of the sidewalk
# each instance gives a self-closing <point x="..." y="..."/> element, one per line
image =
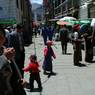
<point x="70" y="80"/>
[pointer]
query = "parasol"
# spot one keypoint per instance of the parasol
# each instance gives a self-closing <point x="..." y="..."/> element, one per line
<point x="68" y="18"/>
<point x="63" y="23"/>
<point x="84" y="21"/>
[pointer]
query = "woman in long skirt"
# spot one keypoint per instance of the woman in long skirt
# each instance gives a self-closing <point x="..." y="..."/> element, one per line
<point x="48" y="54"/>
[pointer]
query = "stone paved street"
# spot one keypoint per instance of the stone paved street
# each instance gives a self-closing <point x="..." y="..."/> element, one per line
<point x="70" y="79"/>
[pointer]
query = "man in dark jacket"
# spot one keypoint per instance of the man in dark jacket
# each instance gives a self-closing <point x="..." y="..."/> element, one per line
<point x="64" y="38"/>
<point x="45" y="34"/>
<point x="16" y="41"/>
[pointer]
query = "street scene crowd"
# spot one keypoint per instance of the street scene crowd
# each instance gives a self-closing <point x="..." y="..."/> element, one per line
<point x="12" y="53"/>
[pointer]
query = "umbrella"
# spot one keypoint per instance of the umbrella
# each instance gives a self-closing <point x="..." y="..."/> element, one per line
<point x="63" y="23"/>
<point x="68" y="18"/>
<point x="84" y="21"/>
<point x="83" y="28"/>
<point x="81" y="22"/>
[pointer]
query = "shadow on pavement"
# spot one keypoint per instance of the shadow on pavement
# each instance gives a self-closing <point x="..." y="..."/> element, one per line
<point x="34" y="90"/>
<point x="48" y="76"/>
<point x="52" y="74"/>
<point x="68" y="53"/>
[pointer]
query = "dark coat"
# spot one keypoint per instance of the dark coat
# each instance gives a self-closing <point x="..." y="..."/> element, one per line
<point x="14" y="42"/>
<point x="20" y="54"/>
<point x="5" y="74"/>
<point x="48" y="54"/>
<point x="64" y="35"/>
<point x="19" y="58"/>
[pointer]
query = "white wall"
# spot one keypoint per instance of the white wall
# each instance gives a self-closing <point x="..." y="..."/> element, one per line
<point x="83" y="12"/>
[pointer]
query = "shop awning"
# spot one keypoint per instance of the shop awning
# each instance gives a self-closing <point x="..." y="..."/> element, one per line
<point x="7" y="21"/>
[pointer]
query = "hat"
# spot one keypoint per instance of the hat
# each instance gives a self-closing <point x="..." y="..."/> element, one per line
<point x="49" y="42"/>
<point x="76" y="27"/>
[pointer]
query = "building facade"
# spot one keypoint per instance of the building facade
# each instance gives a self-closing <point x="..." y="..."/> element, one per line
<point x="8" y="10"/>
<point x="66" y="7"/>
<point x="16" y="10"/>
<point x="79" y="9"/>
<point x="87" y="9"/>
<point x="91" y="9"/>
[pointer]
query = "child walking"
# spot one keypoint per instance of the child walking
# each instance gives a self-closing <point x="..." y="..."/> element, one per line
<point x="48" y="54"/>
<point x="33" y="68"/>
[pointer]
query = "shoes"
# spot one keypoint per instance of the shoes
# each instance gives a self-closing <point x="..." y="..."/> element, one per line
<point x="40" y="88"/>
<point x="52" y="73"/>
<point x="76" y="64"/>
<point x="80" y="65"/>
<point x="89" y="61"/>
<point x="45" y="73"/>
<point x="36" y="89"/>
<point x="49" y="73"/>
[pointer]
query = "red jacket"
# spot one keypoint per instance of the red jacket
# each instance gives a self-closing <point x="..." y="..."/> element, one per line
<point x="34" y="67"/>
<point x="46" y="51"/>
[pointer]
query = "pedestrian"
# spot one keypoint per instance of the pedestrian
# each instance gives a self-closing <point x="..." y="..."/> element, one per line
<point x="33" y="68"/>
<point x="48" y="54"/>
<point x="6" y="54"/>
<point x="35" y="32"/>
<point x="77" y="40"/>
<point x="88" y="44"/>
<point x="17" y="41"/>
<point x="64" y="38"/>
<point x="45" y="33"/>
<point x="50" y="32"/>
